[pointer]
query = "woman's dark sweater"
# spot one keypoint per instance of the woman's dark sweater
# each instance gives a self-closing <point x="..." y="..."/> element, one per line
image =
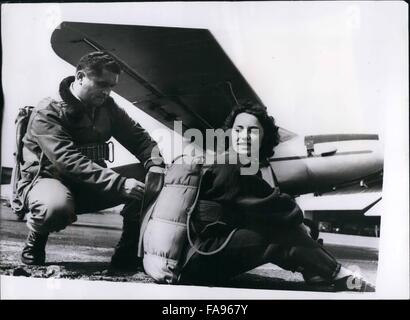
<point x="229" y="200"/>
<point x="245" y="197"/>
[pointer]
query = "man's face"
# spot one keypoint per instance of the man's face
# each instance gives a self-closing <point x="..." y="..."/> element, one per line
<point x="95" y="89"/>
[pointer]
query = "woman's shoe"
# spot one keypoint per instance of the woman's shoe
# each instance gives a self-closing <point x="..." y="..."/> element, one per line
<point x="354" y="284"/>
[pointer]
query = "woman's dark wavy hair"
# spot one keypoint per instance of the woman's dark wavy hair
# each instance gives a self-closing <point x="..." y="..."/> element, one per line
<point x="271" y="132"/>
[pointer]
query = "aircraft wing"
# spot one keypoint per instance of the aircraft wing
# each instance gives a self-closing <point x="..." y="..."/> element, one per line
<point x="169" y="73"/>
<point x="184" y="74"/>
<point x="363" y="203"/>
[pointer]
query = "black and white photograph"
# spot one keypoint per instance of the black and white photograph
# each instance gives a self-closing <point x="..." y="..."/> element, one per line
<point x="204" y="150"/>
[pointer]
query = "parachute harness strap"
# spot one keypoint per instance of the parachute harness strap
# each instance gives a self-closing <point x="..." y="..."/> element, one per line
<point x="189" y="216"/>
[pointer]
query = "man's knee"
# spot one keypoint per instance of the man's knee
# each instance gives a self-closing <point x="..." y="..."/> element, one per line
<point x="56" y="214"/>
<point x="60" y="207"/>
<point x="51" y="209"/>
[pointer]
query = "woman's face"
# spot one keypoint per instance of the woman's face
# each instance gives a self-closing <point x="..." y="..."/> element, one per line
<point x="247" y="134"/>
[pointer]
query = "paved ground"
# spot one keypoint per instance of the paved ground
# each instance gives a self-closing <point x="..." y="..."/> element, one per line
<point x="83" y="251"/>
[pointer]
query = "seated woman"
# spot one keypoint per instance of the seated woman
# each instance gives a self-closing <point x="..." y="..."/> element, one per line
<point x="250" y="223"/>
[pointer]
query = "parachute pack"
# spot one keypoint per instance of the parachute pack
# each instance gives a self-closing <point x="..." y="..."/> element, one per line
<point x="166" y="226"/>
<point x="163" y="235"/>
<point x="21" y="122"/>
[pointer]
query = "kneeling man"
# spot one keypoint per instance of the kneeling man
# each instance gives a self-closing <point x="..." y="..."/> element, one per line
<point x="64" y="171"/>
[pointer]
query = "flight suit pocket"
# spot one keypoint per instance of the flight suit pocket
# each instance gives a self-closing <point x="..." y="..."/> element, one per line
<point x="29" y="169"/>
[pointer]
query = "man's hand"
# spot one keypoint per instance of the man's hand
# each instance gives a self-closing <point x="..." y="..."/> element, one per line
<point x="133" y="189"/>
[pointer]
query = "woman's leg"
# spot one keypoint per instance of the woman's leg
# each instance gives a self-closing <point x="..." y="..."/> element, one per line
<point x="245" y="251"/>
<point x="290" y="248"/>
<point x="307" y="254"/>
<point x="312" y="258"/>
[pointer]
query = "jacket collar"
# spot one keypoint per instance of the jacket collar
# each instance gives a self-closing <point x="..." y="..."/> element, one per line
<point x="73" y="106"/>
<point x="66" y="94"/>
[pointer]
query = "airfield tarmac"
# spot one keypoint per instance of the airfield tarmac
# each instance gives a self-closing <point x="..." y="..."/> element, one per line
<point x="83" y="251"/>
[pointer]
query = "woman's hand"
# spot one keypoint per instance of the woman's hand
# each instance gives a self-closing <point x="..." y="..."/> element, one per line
<point x="305" y="228"/>
<point x="311" y="227"/>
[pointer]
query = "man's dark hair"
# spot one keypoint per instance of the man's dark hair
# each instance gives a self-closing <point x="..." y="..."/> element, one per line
<point x="271" y="131"/>
<point x="95" y="62"/>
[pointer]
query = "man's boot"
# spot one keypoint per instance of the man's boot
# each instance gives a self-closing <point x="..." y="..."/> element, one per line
<point x="34" y="251"/>
<point x="125" y="255"/>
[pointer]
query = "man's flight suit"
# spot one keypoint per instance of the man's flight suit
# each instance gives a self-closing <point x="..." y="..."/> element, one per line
<point x="58" y="181"/>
